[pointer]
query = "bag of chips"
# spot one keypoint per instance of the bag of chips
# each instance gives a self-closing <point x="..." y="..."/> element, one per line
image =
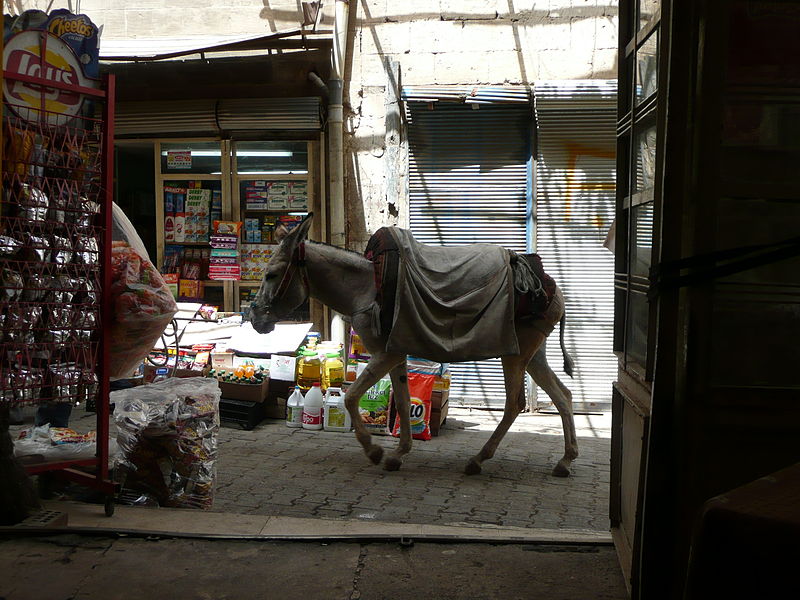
<point x="420" y="387"/>
<point x="142" y="303"/>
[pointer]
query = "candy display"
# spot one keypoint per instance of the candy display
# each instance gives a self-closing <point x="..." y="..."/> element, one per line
<point x="142" y="303"/>
<point x="167" y="435"/>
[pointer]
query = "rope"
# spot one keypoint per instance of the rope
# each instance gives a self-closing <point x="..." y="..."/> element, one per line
<point x="525" y="279"/>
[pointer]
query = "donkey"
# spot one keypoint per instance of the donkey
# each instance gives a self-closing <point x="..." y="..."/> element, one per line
<point x="344" y="281"/>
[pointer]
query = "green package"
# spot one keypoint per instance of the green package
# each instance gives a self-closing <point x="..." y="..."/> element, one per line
<point x="374" y="406"/>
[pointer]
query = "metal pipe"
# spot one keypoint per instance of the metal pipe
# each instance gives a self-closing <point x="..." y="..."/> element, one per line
<point x="336" y="143"/>
<point x="317" y="80"/>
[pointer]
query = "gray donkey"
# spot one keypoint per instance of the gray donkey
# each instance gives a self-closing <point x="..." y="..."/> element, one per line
<point x="346" y="282"/>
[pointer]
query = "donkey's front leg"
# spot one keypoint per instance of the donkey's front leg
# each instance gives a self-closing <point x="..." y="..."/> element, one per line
<point x="402" y="403"/>
<point x="377" y="367"/>
<point x="513" y="369"/>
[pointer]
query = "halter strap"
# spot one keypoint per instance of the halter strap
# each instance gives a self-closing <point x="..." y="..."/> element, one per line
<point x="298" y="261"/>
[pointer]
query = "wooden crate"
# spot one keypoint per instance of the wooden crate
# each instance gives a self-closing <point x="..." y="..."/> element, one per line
<point x="440" y="404"/>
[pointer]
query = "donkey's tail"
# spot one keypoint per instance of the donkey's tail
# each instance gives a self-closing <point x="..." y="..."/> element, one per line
<point x="569" y="364"/>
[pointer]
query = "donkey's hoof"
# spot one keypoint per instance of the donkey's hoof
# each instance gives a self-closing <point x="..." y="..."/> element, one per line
<point x="561" y="470"/>
<point x="473" y="467"/>
<point x="375" y="454"/>
<point x="392" y="463"/>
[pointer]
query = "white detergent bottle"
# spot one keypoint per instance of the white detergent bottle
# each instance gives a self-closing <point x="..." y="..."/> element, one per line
<point x="336" y="416"/>
<point x="312" y="408"/>
<point x="294" y="408"/>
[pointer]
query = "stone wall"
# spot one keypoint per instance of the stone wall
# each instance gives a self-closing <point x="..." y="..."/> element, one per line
<point x="435" y="42"/>
<point x="488" y="42"/>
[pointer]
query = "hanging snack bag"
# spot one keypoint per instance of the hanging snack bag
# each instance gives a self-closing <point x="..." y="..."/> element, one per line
<point x="420" y="387"/>
<point x="142" y="304"/>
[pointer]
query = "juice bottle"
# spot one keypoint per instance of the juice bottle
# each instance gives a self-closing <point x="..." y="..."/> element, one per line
<point x="332" y="371"/>
<point x="308" y="370"/>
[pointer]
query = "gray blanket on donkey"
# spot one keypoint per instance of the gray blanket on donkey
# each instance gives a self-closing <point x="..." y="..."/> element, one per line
<point x="452" y="303"/>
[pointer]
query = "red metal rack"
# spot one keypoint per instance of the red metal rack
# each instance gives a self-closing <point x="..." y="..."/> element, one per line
<point x="55" y="261"/>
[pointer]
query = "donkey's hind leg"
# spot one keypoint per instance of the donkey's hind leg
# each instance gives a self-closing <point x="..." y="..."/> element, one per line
<point x="402" y="402"/>
<point x="513" y="373"/>
<point x="377" y="367"/>
<point x="544" y="376"/>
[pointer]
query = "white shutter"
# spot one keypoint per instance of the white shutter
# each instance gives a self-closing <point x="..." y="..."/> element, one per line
<point x="469" y="183"/>
<point x="575" y="191"/>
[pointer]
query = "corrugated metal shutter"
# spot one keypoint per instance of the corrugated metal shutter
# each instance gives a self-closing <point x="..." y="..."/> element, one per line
<point x="468" y="183"/>
<point x="213" y="116"/>
<point x="575" y="190"/>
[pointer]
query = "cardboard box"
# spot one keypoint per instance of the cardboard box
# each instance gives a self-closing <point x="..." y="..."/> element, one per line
<point x="245" y="391"/>
<point x="252" y="360"/>
<point x="222" y="360"/>
<point x="275" y="408"/>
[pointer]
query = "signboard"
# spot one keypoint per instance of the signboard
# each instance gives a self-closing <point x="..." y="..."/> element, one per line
<point x="179" y="159"/>
<point x="61" y="48"/>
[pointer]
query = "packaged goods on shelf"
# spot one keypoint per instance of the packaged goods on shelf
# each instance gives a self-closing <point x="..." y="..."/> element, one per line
<point x="167" y="435"/>
<point x="254" y="260"/>
<point x="190" y="290"/>
<point x="198" y="208"/>
<point x="216" y="206"/>
<point x="278" y="195"/>
<point x="298" y="195"/>
<point x="224" y="257"/>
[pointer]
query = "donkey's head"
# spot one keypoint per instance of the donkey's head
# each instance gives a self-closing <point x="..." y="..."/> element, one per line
<point x="285" y="284"/>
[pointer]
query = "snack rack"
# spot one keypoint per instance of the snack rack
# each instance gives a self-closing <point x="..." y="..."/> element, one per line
<point x="55" y="260"/>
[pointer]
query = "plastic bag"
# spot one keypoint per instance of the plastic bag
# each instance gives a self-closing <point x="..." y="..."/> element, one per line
<point x="142" y="303"/>
<point x="167" y="435"/>
<point x="58" y="443"/>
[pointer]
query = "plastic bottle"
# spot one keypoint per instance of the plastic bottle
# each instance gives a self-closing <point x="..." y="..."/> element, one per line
<point x="312" y="408"/>
<point x="294" y="408"/>
<point x="336" y="416"/>
<point x="332" y="371"/>
<point x="308" y="369"/>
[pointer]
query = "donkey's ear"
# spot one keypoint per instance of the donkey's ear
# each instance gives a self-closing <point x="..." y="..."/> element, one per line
<point x="297" y="234"/>
<point x="281" y="232"/>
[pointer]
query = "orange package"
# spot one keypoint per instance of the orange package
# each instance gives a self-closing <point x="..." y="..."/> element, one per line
<point x="420" y="388"/>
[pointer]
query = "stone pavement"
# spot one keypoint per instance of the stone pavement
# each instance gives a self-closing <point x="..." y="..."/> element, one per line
<point x="276" y="470"/>
<point x="110" y="568"/>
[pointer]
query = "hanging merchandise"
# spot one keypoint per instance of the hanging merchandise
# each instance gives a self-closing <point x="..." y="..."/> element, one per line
<point x="55" y="247"/>
<point x="336" y="417"/>
<point x="294" y="408"/>
<point x="312" y="408"/>
<point x="143" y="304"/>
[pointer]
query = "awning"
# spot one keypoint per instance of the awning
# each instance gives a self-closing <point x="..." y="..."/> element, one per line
<point x="468" y="94"/>
<point x="163" y="48"/>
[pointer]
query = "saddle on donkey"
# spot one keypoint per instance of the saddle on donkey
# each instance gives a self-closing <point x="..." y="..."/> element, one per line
<point x="453" y="303"/>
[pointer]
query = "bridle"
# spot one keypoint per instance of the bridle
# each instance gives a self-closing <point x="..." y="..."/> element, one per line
<point x="297" y="263"/>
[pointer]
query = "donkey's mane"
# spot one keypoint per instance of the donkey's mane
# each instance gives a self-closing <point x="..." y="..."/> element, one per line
<point x="335" y="247"/>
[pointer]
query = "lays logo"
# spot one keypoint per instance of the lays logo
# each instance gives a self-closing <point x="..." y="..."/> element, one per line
<point x="22" y="55"/>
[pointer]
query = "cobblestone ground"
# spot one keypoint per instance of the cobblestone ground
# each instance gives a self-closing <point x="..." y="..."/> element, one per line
<point x="276" y="470"/>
